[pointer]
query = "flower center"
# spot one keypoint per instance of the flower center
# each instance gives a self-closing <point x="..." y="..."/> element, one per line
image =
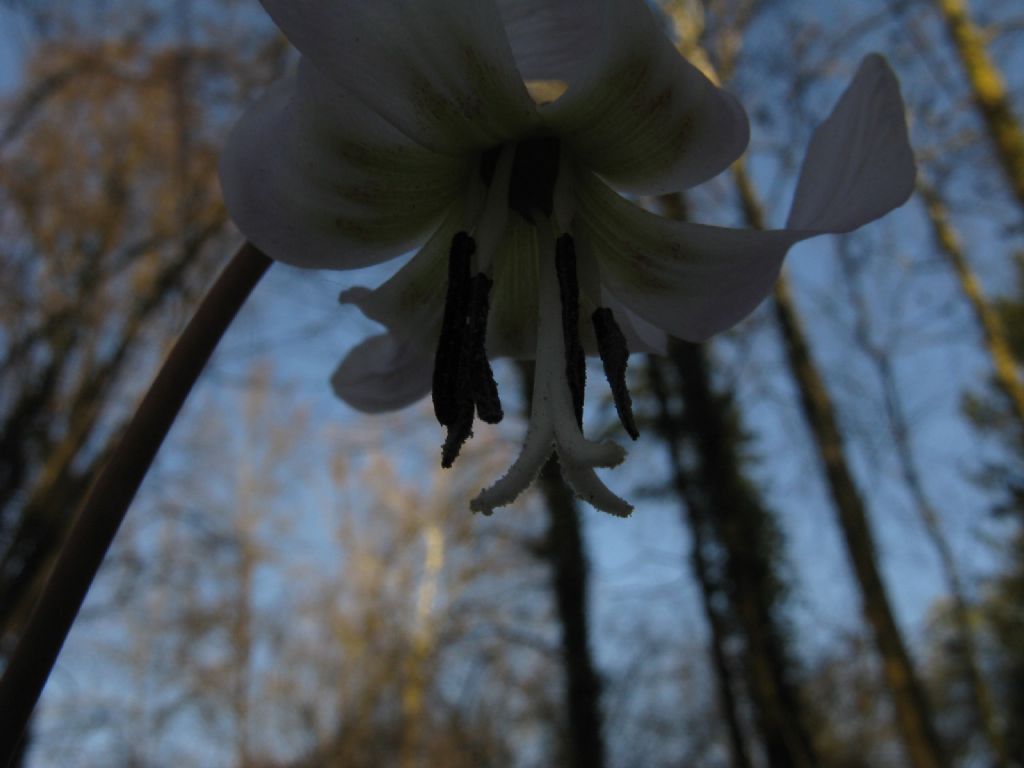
<point x="534" y="171"/>
<point x="529" y="178"/>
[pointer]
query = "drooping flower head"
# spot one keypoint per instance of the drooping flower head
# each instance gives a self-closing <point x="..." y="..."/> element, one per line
<point x="498" y="137"/>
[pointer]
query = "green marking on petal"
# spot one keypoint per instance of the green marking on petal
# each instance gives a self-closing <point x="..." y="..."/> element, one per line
<point x="486" y="112"/>
<point x="622" y="249"/>
<point x="513" y="323"/>
<point x="630" y="121"/>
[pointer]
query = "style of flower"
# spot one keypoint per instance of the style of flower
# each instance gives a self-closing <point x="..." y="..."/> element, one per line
<point x="498" y="137"/>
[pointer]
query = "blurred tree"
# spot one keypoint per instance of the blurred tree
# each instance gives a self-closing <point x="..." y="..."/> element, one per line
<point x="988" y="89"/>
<point x="1006" y="370"/>
<point x="913" y="712"/>
<point x="1002" y="612"/>
<point x="112" y="224"/>
<point x="1002" y="606"/>
<point x="365" y="621"/>
<point x="846" y="679"/>
<point x="912" y="709"/>
<point x="737" y="550"/>
<point x="563" y="551"/>
<point x="898" y="422"/>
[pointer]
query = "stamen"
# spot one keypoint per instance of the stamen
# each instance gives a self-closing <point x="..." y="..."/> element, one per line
<point x="535" y="452"/>
<point x="569" y="294"/>
<point x="483" y="386"/>
<point x="552" y="422"/>
<point x="460" y="429"/>
<point x="611" y="346"/>
<point x="588" y="486"/>
<point x="444" y="390"/>
<point x="458" y="432"/>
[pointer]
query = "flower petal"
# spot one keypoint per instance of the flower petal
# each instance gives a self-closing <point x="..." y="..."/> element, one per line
<point x="641" y="115"/>
<point x="551" y="39"/>
<point x="411" y="302"/>
<point x="394" y="369"/>
<point x="694" y="280"/>
<point x="440" y="71"/>
<point x="691" y="280"/>
<point x="859" y="164"/>
<point x="641" y="336"/>
<point x="316" y="180"/>
<point x="512" y="326"/>
<point x="383" y="374"/>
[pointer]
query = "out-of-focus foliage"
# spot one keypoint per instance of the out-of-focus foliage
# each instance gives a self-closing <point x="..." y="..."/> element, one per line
<point x="112" y="223"/>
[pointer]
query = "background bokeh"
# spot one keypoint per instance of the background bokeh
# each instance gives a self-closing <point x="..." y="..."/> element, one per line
<point x="298" y="584"/>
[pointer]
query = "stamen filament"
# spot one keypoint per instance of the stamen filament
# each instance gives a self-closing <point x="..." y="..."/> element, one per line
<point x="569" y="294"/>
<point x="552" y="416"/>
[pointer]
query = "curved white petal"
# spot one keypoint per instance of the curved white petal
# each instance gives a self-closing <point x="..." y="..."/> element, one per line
<point x="641" y="336"/>
<point x="393" y="369"/>
<point x="859" y="164"/>
<point x="383" y="374"/>
<point x="410" y="303"/>
<point x="641" y="115"/>
<point x="441" y="71"/>
<point x="551" y="39"/>
<point x="694" y="280"/>
<point x="314" y="179"/>
<point x="691" y="280"/>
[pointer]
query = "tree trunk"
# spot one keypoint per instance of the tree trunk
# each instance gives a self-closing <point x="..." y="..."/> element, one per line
<point x="920" y="739"/>
<point x="899" y="424"/>
<point x="569" y="566"/>
<point x="988" y="90"/>
<point x="670" y="427"/>
<point x="748" y="535"/>
<point x="1004" y="366"/>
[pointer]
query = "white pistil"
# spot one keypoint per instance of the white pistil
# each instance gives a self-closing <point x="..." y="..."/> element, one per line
<point x="552" y="419"/>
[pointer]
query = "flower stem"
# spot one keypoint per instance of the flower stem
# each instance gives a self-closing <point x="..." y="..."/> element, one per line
<point x="111" y="493"/>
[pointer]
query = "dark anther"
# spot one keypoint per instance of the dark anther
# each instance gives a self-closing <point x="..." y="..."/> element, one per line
<point x="445" y="388"/>
<point x="474" y="381"/>
<point x="484" y="387"/>
<point x="463" y="380"/>
<point x="534" y="171"/>
<point x="569" y="293"/>
<point x="611" y="346"/>
<point x="461" y="428"/>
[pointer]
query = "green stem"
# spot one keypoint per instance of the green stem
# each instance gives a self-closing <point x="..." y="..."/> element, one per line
<point x="108" y="499"/>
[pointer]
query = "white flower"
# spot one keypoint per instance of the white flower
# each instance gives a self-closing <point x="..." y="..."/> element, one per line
<point x="495" y="136"/>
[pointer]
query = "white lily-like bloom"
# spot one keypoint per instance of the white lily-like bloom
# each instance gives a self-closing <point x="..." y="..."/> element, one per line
<point x="497" y="137"/>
